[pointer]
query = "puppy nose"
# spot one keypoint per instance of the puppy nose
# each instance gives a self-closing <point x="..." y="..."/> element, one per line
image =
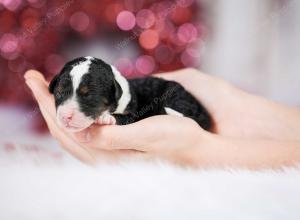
<point x="67" y="117"/>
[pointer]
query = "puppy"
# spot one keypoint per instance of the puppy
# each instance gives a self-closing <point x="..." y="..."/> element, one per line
<point x="88" y="90"/>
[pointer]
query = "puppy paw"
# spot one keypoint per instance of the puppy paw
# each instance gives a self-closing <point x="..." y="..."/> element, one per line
<point x="106" y="119"/>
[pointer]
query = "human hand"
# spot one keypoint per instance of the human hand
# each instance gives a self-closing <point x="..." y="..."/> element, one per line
<point x="181" y="140"/>
<point x="39" y="88"/>
<point x="167" y="137"/>
<point x="235" y="112"/>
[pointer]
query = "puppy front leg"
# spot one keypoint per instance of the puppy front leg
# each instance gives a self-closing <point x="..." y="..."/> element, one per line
<point x="106" y="119"/>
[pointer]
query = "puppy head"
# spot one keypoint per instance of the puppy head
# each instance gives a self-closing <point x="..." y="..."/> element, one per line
<point x="83" y="90"/>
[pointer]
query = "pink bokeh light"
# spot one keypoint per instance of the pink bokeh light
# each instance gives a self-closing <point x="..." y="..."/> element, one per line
<point x="79" y="21"/>
<point x="11" y="5"/>
<point x="145" y="64"/>
<point x="145" y="18"/>
<point x="188" y="59"/>
<point x="187" y="33"/>
<point x="8" y="43"/>
<point x="125" y="66"/>
<point x="126" y="20"/>
<point x="9" y="46"/>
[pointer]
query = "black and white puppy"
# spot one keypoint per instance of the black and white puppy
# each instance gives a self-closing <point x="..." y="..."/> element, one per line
<point x="88" y="90"/>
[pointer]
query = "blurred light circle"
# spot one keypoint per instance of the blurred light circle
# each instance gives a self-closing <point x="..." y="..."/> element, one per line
<point x="164" y="54"/>
<point x="79" y="21"/>
<point x="11" y="5"/>
<point x="145" y="18"/>
<point x="8" y="43"/>
<point x="165" y="28"/>
<point x="188" y="60"/>
<point x="193" y="52"/>
<point x="149" y="39"/>
<point x="160" y="25"/>
<point x="175" y="40"/>
<point x="10" y="56"/>
<point x="92" y="29"/>
<point x="187" y="33"/>
<point x="30" y="20"/>
<point x="145" y="64"/>
<point x="185" y="3"/>
<point x="54" y="63"/>
<point x="125" y="20"/>
<point x="125" y="66"/>
<point x="181" y="15"/>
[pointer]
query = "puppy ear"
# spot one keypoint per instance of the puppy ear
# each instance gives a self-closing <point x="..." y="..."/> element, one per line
<point x="118" y="90"/>
<point x="53" y="84"/>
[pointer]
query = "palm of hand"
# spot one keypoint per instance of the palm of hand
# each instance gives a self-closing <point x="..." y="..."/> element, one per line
<point x="115" y="150"/>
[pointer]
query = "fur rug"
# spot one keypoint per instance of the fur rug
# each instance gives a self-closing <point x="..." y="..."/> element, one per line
<point x="65" y="189"/>
<point x="40" y="181"/>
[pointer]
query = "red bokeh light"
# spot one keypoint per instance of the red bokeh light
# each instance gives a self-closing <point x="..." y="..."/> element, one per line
<point x="35" y="33"/>
<point x="149" y="39"/>
<point x="79" y="21"/>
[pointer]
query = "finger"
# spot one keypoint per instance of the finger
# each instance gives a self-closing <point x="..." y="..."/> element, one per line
<point x="35" y="74"/>
<point x="46" y="104"/>
<point x="38" y="85"/>
<point x="40" y="91"/>
<point x="114" y="137"/>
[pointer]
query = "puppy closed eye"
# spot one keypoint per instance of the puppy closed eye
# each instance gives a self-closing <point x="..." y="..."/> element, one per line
<point x="59" y="92"/>
<point x="84" y="90"/>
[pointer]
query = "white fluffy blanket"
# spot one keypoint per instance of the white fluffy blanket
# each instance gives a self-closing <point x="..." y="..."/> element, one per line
<point x="39" y="181"/>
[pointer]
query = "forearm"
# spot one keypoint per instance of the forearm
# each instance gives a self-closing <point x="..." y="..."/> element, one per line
<point x="218" y="151"/>
<point x="270" y="119"/>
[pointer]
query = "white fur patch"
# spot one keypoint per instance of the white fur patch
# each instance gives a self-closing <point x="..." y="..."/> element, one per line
<point x="79" y="71"/>
<point x="170" y="111"/>
<point x="81" y="120"/>
<point x="126" y="96"/>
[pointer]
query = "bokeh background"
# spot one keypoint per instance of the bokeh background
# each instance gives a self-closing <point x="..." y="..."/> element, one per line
<point x="253" y="44"/>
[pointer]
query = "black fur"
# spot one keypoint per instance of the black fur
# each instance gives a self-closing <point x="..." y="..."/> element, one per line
<point x="149" y="96"/>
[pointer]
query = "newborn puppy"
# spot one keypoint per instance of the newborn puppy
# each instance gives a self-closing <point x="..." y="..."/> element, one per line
<point x="88" y="90"/>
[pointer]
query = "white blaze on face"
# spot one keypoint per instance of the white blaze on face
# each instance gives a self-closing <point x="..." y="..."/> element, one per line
<point x="79" y="71"/>
<point x="69" y="115"/>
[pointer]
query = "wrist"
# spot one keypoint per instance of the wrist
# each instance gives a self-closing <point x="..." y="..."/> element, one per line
<point x="201" y="148"/>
